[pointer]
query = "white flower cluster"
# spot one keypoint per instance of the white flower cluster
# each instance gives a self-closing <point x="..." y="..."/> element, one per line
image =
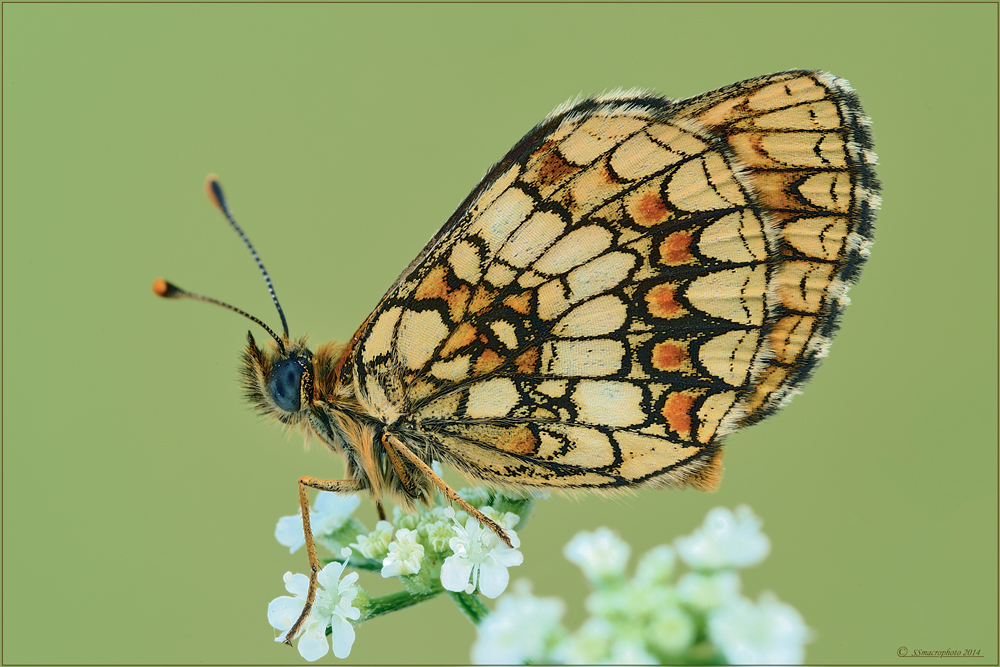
<point x="332" y="608"/>
<point x="329" y="516"/>
<point x="654" y="618"/>
<point x="479" y="558"/>
<point x="432" y="550"/>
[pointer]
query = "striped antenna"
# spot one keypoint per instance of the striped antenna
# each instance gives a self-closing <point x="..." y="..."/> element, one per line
<point x="214" y="192"/>
<point x="168" y="290"/>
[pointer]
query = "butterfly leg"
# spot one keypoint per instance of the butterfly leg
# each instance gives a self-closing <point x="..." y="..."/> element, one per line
<point x="391" y="442"/>
<point x="406" y="478"/>
<point x="306" y="483"/>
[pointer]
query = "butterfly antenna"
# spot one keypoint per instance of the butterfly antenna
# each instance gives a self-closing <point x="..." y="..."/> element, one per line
<point x="168" y="290"/>
<point x="214" y="192"/>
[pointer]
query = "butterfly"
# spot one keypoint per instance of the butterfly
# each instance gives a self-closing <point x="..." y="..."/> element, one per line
<point x="635" y="279"/>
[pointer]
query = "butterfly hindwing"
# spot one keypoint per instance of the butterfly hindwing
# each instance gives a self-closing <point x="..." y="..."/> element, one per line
<point x="806" y="150"/>
<point x="620" y="290"/>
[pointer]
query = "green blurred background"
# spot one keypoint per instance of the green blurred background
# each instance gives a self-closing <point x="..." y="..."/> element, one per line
<point x="140" y="494"/>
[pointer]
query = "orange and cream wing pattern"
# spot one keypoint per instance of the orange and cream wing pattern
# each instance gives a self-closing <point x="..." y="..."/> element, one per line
<point x="806" y="150"/>
<point x="635" y="279"/>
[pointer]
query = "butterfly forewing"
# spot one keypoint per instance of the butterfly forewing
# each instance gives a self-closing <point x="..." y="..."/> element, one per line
<point x="635" y="279"/>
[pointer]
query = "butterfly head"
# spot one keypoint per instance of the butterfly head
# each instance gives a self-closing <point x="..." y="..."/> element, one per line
<point x="279" y="381"/>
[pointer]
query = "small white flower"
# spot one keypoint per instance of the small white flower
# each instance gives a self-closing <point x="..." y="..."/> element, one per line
<point x="769" y="633"/>
<point x="630" y="652"/>
<point x="480" y="559"/>
<point x="343" y="612"/>
<point x="330" y="512"/>
<point x="589" y="645"/>
<point x="404" y="519"/>
<point x="630" y="603"/>
<point x="646" y="601"/>
<point x="725" y="540"/>
<point x="283" y="611"/>
<point x="289" y="532"/>
<point x="438" y="534"/>
<point x="671" y="631"/>
<point x="404" y="555"/>
<point x="705" y="592"/>
<point x="507" y="521"/>
<point x="600" y="554"/>
<point x="656" y="566"/>
<point x="375" y="545"/>
<point x="459" y="517"/>
<point x="332" y="607"/>
<point x="343" y="632"/>
<point x="520" y="629"/>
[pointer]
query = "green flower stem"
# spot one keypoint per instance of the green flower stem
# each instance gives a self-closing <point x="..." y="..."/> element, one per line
<point x="471" y="605"/>
<point x="394" y="602"/>
<point x="357" y="563"/>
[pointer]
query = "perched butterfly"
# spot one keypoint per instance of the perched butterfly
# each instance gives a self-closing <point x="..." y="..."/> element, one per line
<point x="635" y="279"/>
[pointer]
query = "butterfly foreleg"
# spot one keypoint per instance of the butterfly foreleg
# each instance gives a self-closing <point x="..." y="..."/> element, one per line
<point x="306" y="483"/>
<point x="391" y="443"/>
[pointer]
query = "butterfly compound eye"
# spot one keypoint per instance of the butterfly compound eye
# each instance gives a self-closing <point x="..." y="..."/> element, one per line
<point x="290" y="380"/>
